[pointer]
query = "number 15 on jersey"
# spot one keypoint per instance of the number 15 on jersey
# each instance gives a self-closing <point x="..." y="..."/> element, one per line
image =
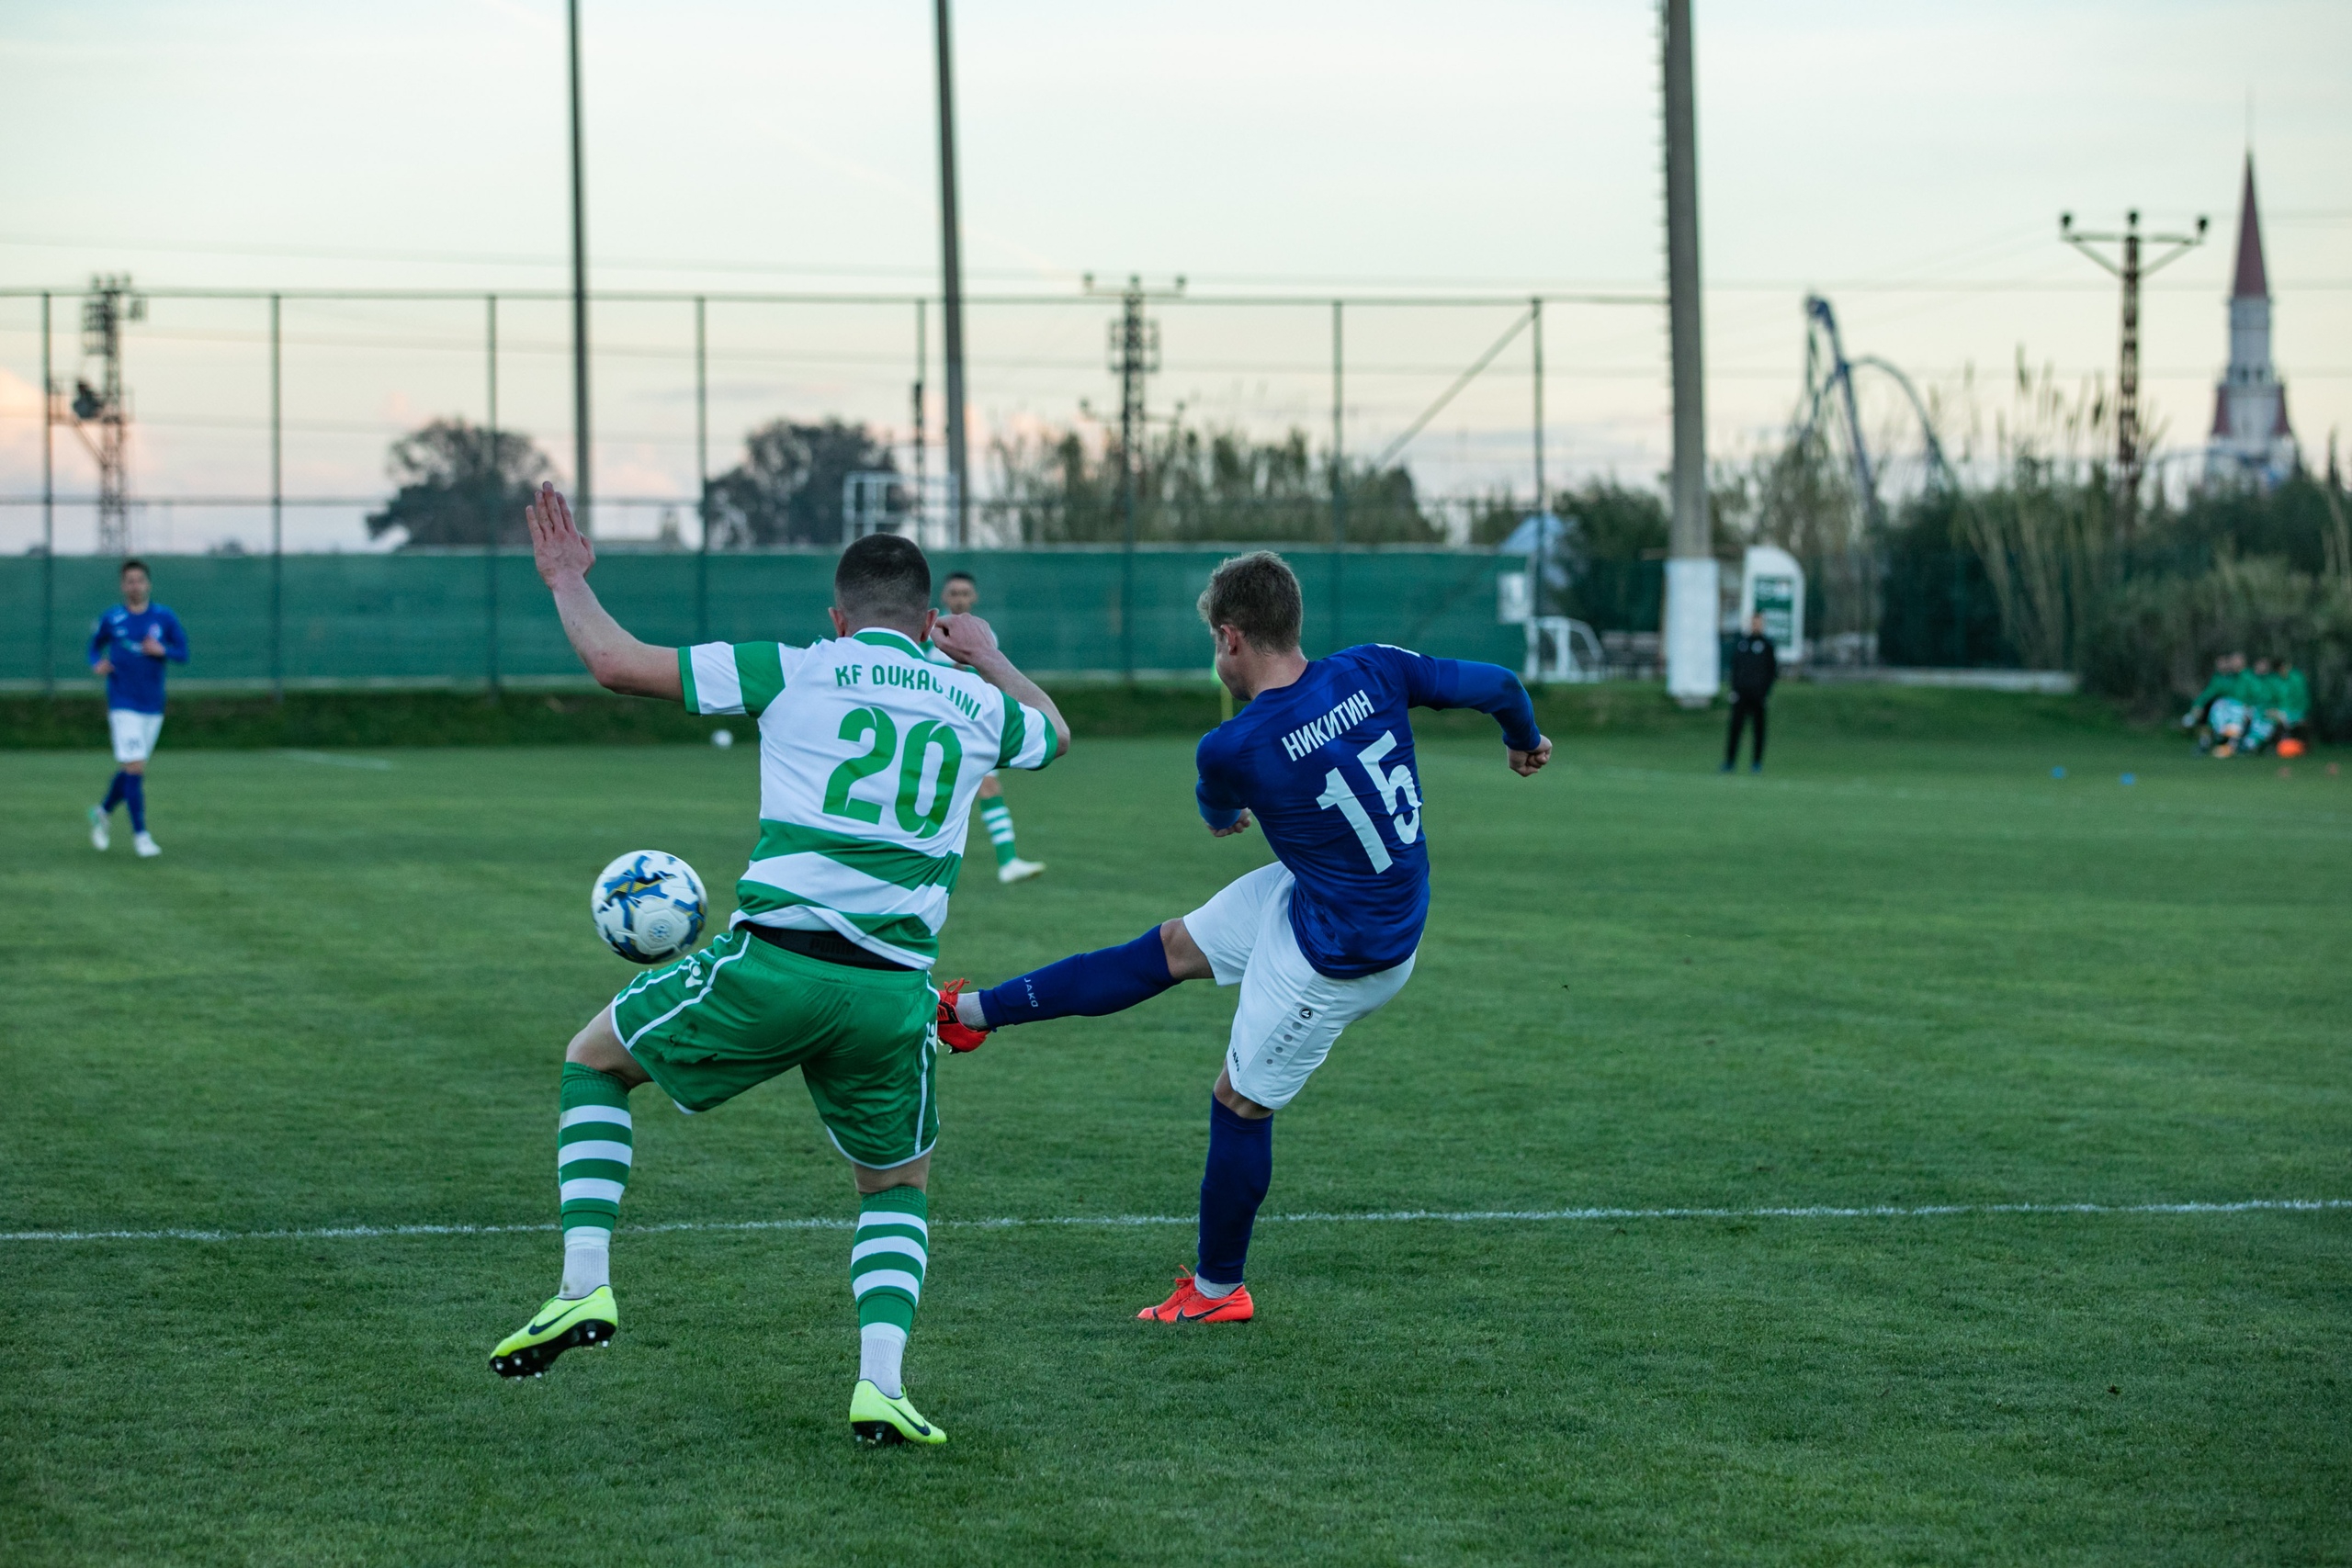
<point x="1394" y="784"/>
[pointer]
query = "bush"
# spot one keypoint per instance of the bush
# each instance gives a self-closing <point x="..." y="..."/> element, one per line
<point x="2154" y="640"/>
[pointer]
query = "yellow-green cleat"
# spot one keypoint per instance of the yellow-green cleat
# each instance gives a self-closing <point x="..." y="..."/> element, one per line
<point x="877" y="1420"/>
<point x="558" y="1327"/>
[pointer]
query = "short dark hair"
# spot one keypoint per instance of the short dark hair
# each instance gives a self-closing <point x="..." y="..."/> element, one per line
<point x="133" y="564"/>
<point x="959" y="575"/>
<point x="883" y="577"/>
<point x="1258" y="595"/>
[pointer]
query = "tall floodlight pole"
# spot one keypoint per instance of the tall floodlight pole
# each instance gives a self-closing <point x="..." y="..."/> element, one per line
<point x="2130" y="268"/>
<point x="578" y="293"/>
<point x="48" y="512"/>
<point x="276" y="508"/>
<point x="493" y="516"/>
<point x="1693" y="649"/>
<point x="1543" y="506"/>
<point x="1339" y="480"/>
<point x="951" y="288"/>
<point x="702" y="470"/>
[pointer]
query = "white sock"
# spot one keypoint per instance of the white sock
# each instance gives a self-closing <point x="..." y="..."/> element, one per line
<point x="1214" y="1291"/>
<point x="881" y="1348"/>
<point x="969" y="1013"/>
<point x="587" y="1261"/>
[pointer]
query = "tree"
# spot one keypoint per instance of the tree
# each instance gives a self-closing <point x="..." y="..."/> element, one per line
<point x="457" y="485"/>
<point x="787" y="490"/>
<point x="1604" y="570"/>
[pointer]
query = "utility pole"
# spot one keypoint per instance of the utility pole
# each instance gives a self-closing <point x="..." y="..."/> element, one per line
<point x="1134" y="353"/>
<point x="581" y="489"/>
<point x="2130" y="267"/>
<point x="959" y="499"/>
<point x="109" y="304"/>
<point x="922" y="434"/>
<point x="1693" y="596"/>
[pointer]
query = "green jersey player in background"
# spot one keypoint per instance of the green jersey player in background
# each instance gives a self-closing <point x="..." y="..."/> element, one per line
<point x="870" y="754"/>
<point x="957" y="594"/>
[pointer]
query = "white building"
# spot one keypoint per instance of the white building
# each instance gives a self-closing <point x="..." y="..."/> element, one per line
<point x="2250" y="440"/>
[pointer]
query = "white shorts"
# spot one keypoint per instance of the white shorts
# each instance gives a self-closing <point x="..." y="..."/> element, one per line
<point x="134" y="733"/>
<point x="1289" y="1014"/>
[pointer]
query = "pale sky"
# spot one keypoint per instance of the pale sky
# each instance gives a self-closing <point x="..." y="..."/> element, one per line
<point x="1907" y="160"/>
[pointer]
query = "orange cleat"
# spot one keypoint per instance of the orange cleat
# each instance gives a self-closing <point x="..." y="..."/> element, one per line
<point x="959" y="1036"/>
<point x="1188" y="1305"/>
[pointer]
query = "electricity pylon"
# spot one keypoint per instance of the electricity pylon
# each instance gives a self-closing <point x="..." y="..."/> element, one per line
<point x="2130" y="268"/>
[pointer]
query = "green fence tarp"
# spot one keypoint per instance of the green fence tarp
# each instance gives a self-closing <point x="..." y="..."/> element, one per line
<point x="425" y="619"/>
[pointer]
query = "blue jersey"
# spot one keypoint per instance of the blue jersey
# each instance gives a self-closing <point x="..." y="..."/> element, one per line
<point x="1325" y="764"/>
<point x="137" y="683"/>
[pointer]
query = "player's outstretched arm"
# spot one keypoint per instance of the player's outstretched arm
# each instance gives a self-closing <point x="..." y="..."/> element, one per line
<point x="618" y="660"/>
<point x="967" y="639"/>
<point x="1489" y="688"/>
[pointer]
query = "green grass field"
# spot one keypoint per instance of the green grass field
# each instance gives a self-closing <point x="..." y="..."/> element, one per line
<point x="1891" y="971"/>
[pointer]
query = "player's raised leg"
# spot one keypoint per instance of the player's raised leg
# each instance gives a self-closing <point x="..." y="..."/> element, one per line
<point x="595" y="1149"/>
<point x="1085" y="985"/>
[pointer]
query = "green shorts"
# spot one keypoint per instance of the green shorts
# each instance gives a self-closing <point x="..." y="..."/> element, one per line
<point x="714" y="1023"/>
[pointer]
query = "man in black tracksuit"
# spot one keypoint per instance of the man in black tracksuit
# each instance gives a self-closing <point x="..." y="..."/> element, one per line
<point x="1754" y="668"/>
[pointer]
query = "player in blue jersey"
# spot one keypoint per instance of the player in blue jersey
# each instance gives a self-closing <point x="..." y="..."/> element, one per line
<point x="1323" y="756"/>
<point x="130" y="645"/>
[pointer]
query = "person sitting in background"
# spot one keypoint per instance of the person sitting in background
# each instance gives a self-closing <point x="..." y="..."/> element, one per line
<point x="2292" y="707"/>
<point x="2217" y="701"/>
<point x="2248" y="726"/>
<point x="2219" y="690"/>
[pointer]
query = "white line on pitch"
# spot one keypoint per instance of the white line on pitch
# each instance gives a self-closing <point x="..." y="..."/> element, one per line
<point x="1114" y="1222"/>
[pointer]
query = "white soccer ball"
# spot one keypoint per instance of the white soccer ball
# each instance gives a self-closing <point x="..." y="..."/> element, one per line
<point x="647" y="906"/>
<point x="722" y="739"/>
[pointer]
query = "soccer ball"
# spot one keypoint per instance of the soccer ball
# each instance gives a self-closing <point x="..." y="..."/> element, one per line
<point x="647" y="906"/>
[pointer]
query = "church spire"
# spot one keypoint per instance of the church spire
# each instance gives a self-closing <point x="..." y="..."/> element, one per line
<point x="2251" y="438"/>
<point x="2253" y="282"/>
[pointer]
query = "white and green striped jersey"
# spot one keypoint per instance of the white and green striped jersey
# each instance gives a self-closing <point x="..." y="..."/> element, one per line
<point x="870" y="754"/>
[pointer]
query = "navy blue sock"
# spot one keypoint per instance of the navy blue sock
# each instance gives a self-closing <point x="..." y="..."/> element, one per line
<point x="1109" y="979"/>
<point x="1240" y="1165"/>
<point x="116" y="791"/>
<point x="134" y="792"/>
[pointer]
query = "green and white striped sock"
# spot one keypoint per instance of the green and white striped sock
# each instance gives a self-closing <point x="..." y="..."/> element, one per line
<point x="595" y="1143"/>
<point x="887" y="1258"/>
<point x="997" y="817"/>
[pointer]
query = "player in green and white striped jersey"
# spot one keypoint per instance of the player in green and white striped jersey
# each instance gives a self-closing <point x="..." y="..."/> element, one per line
<point x="870" y="754"/>
<point x="957" y="596"/>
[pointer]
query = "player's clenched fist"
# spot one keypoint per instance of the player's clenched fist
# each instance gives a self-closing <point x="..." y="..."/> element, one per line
<point x="965" y="639"/>
<point x="1525" y="763"/>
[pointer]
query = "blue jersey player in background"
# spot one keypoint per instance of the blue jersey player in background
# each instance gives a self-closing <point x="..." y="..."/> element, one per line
<point x="130" y="645"/>
<point x="1323" y="756"/>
